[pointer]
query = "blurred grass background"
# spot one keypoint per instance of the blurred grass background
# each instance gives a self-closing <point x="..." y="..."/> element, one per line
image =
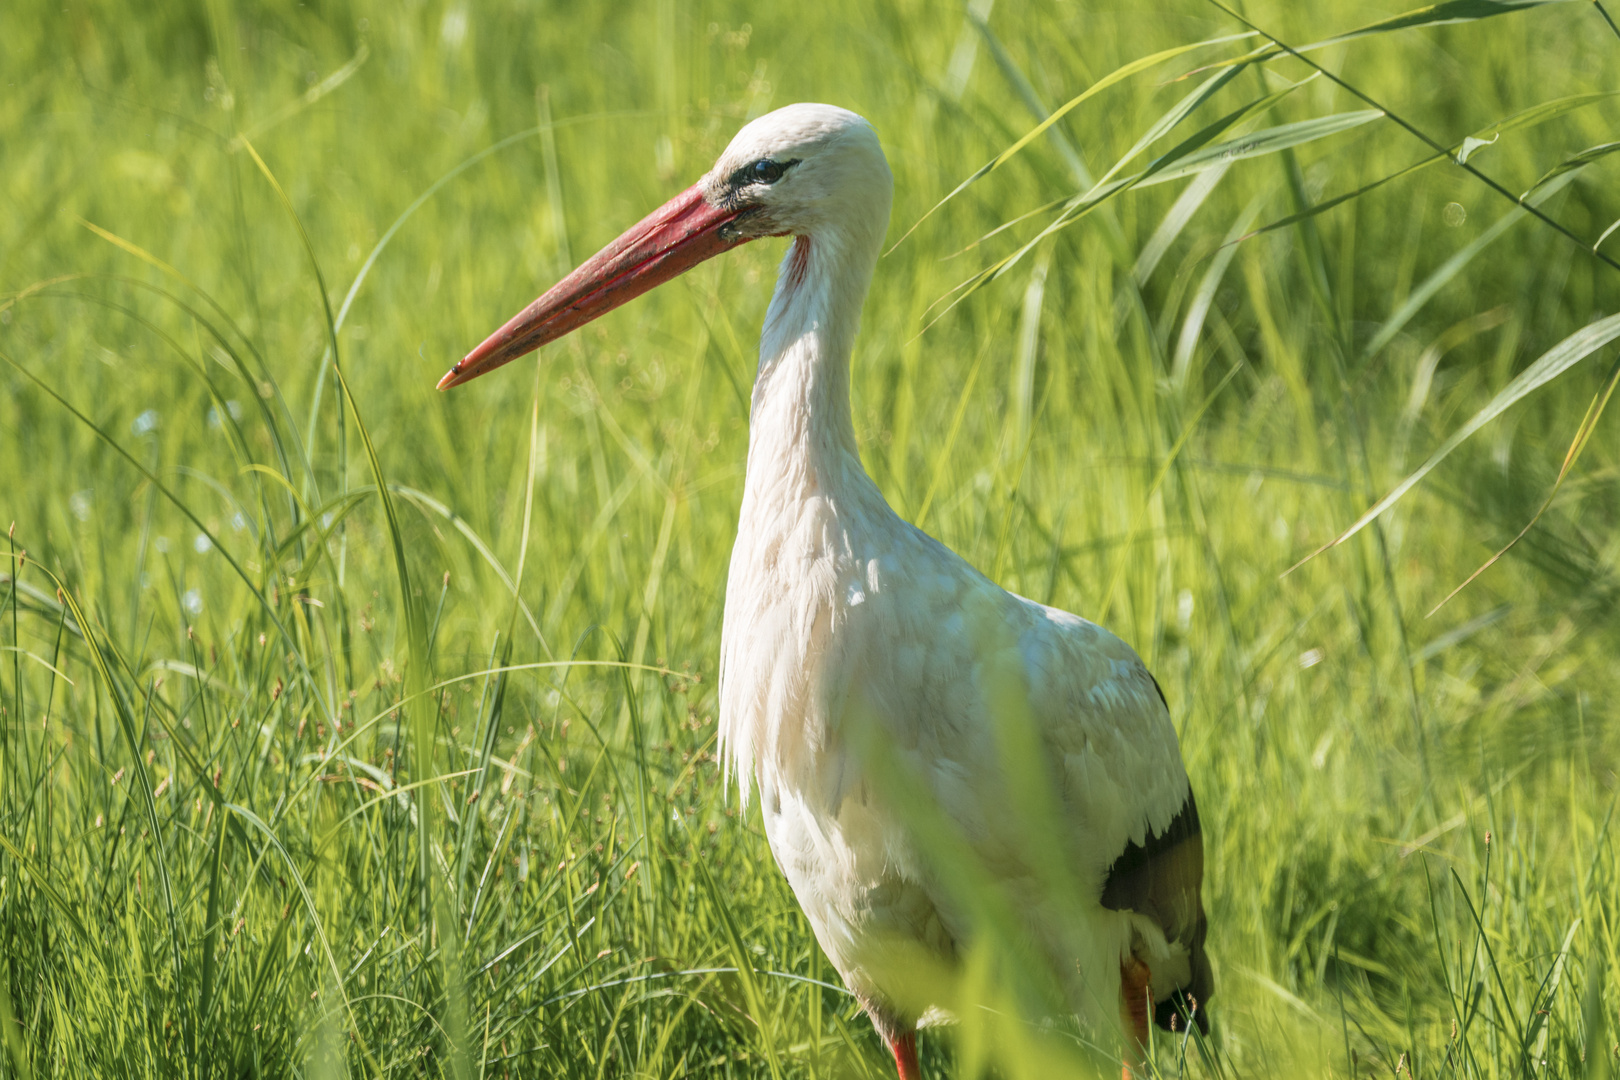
<point x="223" y="850"/>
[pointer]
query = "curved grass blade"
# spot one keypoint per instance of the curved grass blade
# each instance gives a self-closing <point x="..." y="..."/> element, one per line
<point x="40" y="660"/>
<point x="1118" y="75"/>
<point x="175" y="500"/>
<point x="1538" y="114"/>
<point x="463" y="166"/>
<point x="1187" y="204"/>
<point x="1551" y="364"/>
<point x="416" y="632"/>
<point x="434" y="908"/>
<point x="1418" y="133"/>
<point x="398" y="791"/>
<point x="1205" y="91"/>
<point x="331" y="323"/>
<point x="306" y="99"/>
<point x="42" y="882"/>
<point x="427" y="502"/>
<point x="1204" y="297"/>
<point x="405" y="215"/>
<point x="165" y="268"/>
<point x="1583" y="434"/>
<point x="315" y="919"/>
<point x="1193" y="155"/>
<point x="1610" y="231"/>
<point x="1578" y="161"/>
<point x="1455" y="11"/>
<point x="1269" y="141"/>
<point x="1450" y="268"/>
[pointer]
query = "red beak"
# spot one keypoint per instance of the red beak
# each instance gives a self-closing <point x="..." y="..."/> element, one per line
<point x="666" y="243"/>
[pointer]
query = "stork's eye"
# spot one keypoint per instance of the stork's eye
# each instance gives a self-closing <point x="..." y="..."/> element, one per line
<point x="765" y="171"/>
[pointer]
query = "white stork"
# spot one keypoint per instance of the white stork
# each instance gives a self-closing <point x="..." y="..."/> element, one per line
<point x="843" y="621"/>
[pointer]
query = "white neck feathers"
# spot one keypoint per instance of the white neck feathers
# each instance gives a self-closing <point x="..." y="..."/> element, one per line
<point x="802" y="436"/>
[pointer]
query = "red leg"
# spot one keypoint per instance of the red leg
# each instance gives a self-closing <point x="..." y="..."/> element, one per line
<point x="1135" y="1003"/>
<point x="905" y="1055"/>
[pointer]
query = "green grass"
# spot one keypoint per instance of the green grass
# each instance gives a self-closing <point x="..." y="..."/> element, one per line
<point x="297" y="780"/>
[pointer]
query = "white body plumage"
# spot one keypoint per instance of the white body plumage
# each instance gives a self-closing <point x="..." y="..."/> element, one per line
<point x="838" y="614"/>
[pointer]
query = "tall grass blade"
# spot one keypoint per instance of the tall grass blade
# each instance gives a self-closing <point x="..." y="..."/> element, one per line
<point x="1452" y="11"/>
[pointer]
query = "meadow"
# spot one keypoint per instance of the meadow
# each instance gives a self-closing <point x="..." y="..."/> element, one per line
<point x="351" y="728"/>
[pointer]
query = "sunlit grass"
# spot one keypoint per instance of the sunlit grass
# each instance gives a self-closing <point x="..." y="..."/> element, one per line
<point x="296" y="779"/>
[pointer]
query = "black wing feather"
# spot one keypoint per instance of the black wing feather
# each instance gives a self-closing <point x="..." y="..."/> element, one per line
<point x="1162" y="879"/>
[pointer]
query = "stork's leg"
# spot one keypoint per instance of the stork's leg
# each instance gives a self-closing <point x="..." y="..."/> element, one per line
<point x="898" y="1033"/>
<point x="1135" y="1005"/>
<point x="904" y="1047"/>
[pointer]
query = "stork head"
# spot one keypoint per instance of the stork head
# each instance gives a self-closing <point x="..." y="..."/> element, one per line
<point x="803" y="170"/>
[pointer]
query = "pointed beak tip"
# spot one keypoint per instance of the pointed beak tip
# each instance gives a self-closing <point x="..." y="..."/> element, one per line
<point x="671" y="240"/>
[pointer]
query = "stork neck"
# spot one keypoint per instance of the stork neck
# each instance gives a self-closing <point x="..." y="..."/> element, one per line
<point x="802" y="437"/>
